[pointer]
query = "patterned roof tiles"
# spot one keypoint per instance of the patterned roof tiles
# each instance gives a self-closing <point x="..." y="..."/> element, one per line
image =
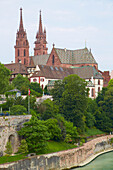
<point x="40" y="59"/>
<point x="80" y="56"/>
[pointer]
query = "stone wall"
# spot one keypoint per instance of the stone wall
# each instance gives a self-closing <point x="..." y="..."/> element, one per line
<point x="9" y="125"/>
<point x="64" y="159"/>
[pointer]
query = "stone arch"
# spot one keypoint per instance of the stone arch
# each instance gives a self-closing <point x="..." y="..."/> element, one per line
<point x="13" y="138"/>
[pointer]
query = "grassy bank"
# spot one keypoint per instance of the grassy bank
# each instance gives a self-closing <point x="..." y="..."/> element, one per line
<point x="93" y="131"/>
<point x="52" y="147"/>
<point x="5" y="159"/>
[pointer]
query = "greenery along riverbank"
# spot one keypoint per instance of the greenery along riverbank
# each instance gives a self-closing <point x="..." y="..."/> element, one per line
<point x="66" y="118"/>
<point x="52" y="146"/>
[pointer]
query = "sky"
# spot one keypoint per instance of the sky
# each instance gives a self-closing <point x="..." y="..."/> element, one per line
<point x="69" y="24"/>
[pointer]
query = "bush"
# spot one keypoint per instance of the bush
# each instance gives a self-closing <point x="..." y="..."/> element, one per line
<point x="9" y="149"/>
<point x="18" y="110"/>
<point x="23" y="147"/>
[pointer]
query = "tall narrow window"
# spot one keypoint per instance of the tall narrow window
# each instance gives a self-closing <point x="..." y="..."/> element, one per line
<point x="24" y="52"/>
<point x="92" y="92"/>
<point x="18" y="52"/>
<point x="24" y="61"/>
<point x="53" y="59"/>
<point x="98" y="89"/>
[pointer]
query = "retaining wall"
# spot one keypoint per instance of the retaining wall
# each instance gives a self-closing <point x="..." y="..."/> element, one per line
<point x="64" y="159"/>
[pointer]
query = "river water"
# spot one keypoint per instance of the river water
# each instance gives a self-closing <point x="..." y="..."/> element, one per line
<point x="103" y="162"/>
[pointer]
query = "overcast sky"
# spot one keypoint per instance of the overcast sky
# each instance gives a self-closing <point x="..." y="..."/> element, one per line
<point x="69" y="23"/>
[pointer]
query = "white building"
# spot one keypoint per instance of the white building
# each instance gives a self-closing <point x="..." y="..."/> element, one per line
<point x="44" y="75"/>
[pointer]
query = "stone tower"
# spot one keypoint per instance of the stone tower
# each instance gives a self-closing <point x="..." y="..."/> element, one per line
<point x="40" y="43"/>
<point x="22" y="44"/>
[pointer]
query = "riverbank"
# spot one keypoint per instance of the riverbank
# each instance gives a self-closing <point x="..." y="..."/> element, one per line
<point x="93" y="157"/>
<point x="65" y="159"/>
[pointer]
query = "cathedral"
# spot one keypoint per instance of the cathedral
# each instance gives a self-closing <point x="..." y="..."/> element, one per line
<point x="44" y="68"/>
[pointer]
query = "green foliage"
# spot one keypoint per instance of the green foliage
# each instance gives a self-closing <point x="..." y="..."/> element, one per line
<point x="48" y="109"/>
<point x="4" y="78"/>
<point x="71" y="130"/>
<point x="104" y="114"/>
<point x="111" y="141"/>
<point x="90" y="119"/>
<point x="93" y="131"/>
<point x="9" y="149"/>
<point x="36" y="135"/>
<point x="110" y="84"/>
<point x="5" y="159"/>
<point x="54" y="146"/>
<point x="32" y="102"/>
<point x="46" y="90"/>
<point x="71" y="95"/>
<point x="23" y="146"/>
<point x="36" y="87"/>
<point x="68" y="138"/>
<point x="18" y="110"/>
<point x="21" y="83"/>
<point x="35" y="93"/>
<point x="53" y="129"/>
<point x="13" y="93"/>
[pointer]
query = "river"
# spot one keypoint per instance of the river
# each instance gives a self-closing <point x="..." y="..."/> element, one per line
<point x="103" y="162"/>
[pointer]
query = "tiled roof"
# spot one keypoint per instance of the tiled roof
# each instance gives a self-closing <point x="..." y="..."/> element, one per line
<point x="51" y="72"/>
<point x="16" y="68"/>
<point x="80" y="56"/>
<point x="87" y="72"/>
<point x="40" y="59"/>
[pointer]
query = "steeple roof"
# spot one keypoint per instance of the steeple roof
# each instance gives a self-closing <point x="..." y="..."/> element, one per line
<point x="21" y="28"/>
<point x="40" y="24"/>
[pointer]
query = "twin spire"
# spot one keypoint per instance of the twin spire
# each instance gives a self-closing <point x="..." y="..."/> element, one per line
<point x="40" y="43"/>
<point x="40" y="23"/>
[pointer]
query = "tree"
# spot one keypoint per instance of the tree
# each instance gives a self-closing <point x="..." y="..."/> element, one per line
<point x="9" y="149"/>
<point x="57" y="91"/>
<point x="48" y="109"/>
<point x="36" y="87"/>
<point x="18" y="110"/>
<point x="72" y="99"/>
<point x="53" y="129"/>
<point x="23" y="146"/>
<point x="4" y="78"/>
<point x="21" y="83"/>
<point x="110" y="84"/>
<point x="36" y="134"/>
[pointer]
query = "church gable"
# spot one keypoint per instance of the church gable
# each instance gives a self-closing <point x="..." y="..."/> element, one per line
<point x="53" y="58"/>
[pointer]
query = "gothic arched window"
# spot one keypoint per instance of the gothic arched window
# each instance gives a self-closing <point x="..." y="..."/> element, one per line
<point x="53" y="59"/>
<point x="24" y="61"/>
<point x="18" y="52"/>
<point x="24" y="52"/>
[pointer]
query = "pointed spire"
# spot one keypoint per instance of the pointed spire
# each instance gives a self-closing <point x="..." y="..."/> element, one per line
<point x="40" y="24"/>
<point x="44" y="30"/>
<point x="21" y="21"/>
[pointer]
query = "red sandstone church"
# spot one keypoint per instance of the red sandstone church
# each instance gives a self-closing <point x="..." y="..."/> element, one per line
<point x="59" y="58"/>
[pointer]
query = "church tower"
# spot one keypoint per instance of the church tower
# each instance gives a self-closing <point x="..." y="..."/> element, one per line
<point x="22" y="44"/>
<point x="40" y="43"/>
